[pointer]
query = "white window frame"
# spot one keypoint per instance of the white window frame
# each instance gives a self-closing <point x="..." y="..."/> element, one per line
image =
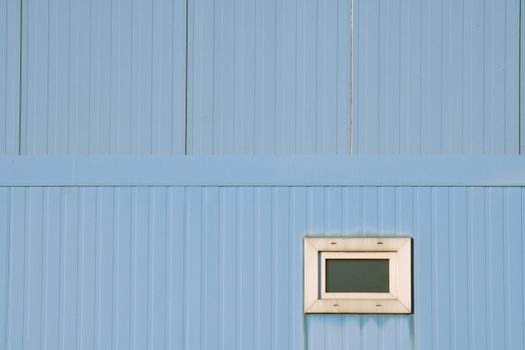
<point x="398" y="250"/>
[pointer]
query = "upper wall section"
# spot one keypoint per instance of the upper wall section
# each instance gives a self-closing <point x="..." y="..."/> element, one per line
<point x="9" y="76"/>
<point x="103" y="77"/>
<point x="269" y="77"/>
<point x="436" y="76"/>
<point x="260" y="77"/>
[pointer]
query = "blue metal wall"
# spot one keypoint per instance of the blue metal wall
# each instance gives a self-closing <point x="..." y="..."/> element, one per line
<point x="268" y="77"/>
<point x="103" y="77"/>
<point x="436" y="77"/>
<point x="9" y="76"/>
<point x="199" y="267"/>
<point x="221" y="267"/>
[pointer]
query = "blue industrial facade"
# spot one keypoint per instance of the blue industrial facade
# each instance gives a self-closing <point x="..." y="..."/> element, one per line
<point x="260" y="77"/>
<point x="123" y="225"/>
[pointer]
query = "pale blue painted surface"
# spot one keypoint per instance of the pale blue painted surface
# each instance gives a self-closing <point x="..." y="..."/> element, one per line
<point x="9" y="76"/>
<point x="221" y="267"/>
<point x="269" y="77"/>
<point x="473" y="171"/>
<point x="124" y="266"/>
<point x="436" y="77"/>
<point x="103" y="77"/>
<point x="262" y="77"/>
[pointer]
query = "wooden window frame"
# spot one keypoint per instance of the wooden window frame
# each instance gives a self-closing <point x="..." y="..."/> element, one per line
<point x="398" y="250"/>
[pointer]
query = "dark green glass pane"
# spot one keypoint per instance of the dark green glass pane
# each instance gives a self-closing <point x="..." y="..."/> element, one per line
<point x="357" y="276"/>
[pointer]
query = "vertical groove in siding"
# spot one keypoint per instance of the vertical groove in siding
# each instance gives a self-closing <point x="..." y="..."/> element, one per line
<point x="389" y="46"/>
<point x="246" y="278"/>
<point x="105" y="265"/>
<point x="512" y="77"/>
<point x="423" y="263"/>
<point x="315" y="202"/>
<point x="391" y="328"/>
<point x="17" y="266"/>
<point x="521" y="77"/>
<point x="193" y="282"/>
<point x="212" y="255"/>
<point x="31" y="334"/>
<point x="460" y="261"/>
<point x="405" y="210"/>
<point x="431" y="77"/>
<point x="69" y="281"/>
<point x="344" y="76"/>
<point x="513" y="255"/>
<point x="478" y="237"/>
<point x="496" y="283"/>
<point x="441" y="246"/>
<point x="5" y="230"/>
<point x="224" y="77"/>
<point x="264" y="226"/>
<point x="522" y="191"/>
<point x="237" y="267"/>
<point x="265" y="64"/>
<point x="446" y="59"/>
<point x="244" y="96"/>
<point x="10" y="75"/>
<point x="299" y="227"/>
<point x="286" y="74"/>
<point x="124" y="201"/>
<point x="175" y="305"/>
<point x="334" y="227"/>
<point x="157" y="269"/>
<point x="103" y="77"/>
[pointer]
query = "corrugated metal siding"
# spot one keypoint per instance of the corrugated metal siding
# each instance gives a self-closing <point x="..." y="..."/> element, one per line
<point x="269" y="77"/>
<point x="221" y="267"/>
<point x="103" y="77"/>
<point x="9" y="76"/>
<point x="436" y="76"/>
<point x="263" y="77"/>
<point x="522" y="79"/>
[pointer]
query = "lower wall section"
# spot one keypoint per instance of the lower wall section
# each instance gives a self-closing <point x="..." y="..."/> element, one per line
<point x="221" y="267"/>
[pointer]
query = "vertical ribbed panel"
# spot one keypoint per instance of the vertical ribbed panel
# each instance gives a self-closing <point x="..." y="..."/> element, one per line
<point x="436" y="77"/>
<point x="5" y="215"/>
<point x="263" y="77"/>
<point x="9" y="76"/>
<point x="269" y="77"/>
<point x="221" y="267"/>
<point x="103" y="77"/>
<point x="522" y="78"/>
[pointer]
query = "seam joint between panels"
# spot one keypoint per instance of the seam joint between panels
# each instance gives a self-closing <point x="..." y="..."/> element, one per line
<point x="186" y="86"/>
<point x="20" y="61"/>
<point x="520" y="77"/>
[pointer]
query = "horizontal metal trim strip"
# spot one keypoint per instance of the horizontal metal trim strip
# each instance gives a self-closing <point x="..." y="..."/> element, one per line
<point x="262" y="171"/>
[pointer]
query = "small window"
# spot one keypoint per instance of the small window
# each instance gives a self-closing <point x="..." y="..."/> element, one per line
<point x="357" y="275"/>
